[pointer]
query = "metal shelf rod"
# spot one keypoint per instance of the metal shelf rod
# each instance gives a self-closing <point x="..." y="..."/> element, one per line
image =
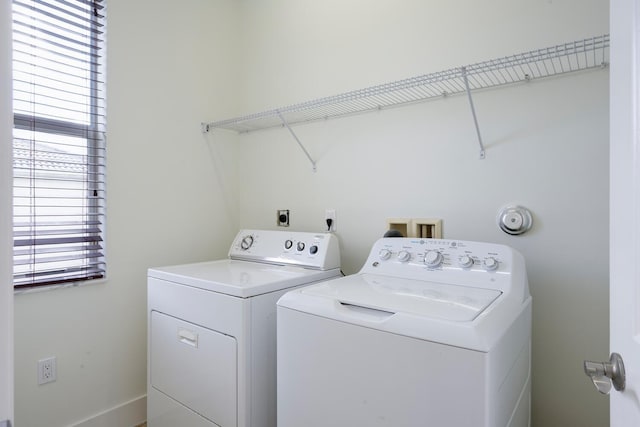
<point x="284" y="122"/>
<point x="473" y="112"/>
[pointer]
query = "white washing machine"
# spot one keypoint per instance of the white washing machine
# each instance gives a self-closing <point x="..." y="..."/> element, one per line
<point x="428" y="333"/>
<point x="212" y="328"/>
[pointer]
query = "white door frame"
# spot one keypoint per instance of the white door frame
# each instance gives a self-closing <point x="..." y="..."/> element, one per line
<point x="6" y="290"/>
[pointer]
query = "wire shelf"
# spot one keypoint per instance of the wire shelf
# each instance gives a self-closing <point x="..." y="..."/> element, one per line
<point x="561" y="59"/>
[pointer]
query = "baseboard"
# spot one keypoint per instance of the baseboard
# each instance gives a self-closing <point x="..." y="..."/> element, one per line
<point x="128" y="414"/>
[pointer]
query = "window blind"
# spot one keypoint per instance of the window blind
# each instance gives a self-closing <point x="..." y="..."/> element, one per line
<point x="58" y="141"/>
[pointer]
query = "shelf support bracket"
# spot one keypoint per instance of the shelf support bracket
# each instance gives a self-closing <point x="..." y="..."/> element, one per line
<point x="285" y="124"/>
<point x="473" y="110"/>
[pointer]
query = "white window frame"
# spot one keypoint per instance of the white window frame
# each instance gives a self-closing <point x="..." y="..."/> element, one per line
<point x="59" y="237"/>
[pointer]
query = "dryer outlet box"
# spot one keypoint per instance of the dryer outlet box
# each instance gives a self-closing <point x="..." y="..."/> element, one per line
<point x="283" y="218"/>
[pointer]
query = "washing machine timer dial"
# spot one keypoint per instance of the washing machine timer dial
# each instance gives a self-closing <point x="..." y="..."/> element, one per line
<point x="288" y="244"/>
<point x="433" y="258"/>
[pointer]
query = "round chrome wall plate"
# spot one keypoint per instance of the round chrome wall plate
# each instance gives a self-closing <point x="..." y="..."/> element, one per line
<point x="514" y="220"/>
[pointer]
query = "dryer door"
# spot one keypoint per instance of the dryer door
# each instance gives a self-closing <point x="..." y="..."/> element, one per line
<point x="194" y="366"/>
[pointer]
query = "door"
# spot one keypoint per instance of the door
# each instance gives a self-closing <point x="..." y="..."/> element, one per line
<point x="625" y="207"/>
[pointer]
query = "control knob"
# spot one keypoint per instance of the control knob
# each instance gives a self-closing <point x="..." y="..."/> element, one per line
<point x="490" y="264"/>
<point x="404" y="256"/>
<point x="313" y="250"/>
<point x="384" y="254"/>
<point x="300" y="246"/>
<point x="465" y="261"/>
<point x="288" y="244"/>
<point x="433" y="258"/>
<point x="246" y="242"/>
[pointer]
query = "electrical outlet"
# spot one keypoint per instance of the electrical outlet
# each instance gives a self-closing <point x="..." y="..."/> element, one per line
<point x="330" y="220"/>
<point x="283" y="218"/>
<point x="47" y="371"/>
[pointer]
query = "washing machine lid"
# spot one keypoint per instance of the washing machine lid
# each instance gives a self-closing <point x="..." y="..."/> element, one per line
<point x="240" y="278"/>
<point x="457" y="303"/>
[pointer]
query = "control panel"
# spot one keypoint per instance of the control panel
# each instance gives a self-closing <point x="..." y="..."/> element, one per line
<point x="448" y="261"/>
<point x="312" y="250"/>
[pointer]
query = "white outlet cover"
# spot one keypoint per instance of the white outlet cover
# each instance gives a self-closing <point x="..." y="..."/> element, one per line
<point x="330" y="214"/>
<point x="47" y="370"/>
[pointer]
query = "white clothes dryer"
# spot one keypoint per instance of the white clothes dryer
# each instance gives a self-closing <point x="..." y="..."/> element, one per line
<point x="428" y="333"/>
<point x="212" y="328"/>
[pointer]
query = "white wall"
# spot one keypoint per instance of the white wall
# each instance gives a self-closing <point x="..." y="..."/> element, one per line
<point x="169" y="200"/>
<point x="175" y="196"/>
<point x="547" y="148"/>
<point x="6" y="239"/>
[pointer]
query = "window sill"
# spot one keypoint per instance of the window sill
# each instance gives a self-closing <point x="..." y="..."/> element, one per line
<point x="38" y="289"/>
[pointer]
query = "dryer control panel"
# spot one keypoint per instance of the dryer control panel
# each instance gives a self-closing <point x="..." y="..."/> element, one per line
<point x="486" y="265"/>
<point x="311" y="250"/>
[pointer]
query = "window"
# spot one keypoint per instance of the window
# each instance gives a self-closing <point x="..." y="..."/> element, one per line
<point x="58" y="141"/>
